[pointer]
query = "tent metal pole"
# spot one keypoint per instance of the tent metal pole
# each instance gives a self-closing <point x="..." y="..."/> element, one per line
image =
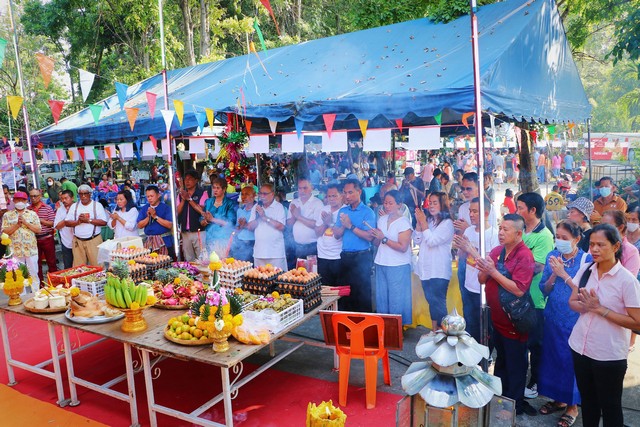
<point x="589" y="157"/>
<point x="27" y="130"/>
<point x="171" y="143"/>
<point x="480" y="159"/>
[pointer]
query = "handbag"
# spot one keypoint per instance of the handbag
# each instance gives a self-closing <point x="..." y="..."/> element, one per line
<point x="520" y="310"/>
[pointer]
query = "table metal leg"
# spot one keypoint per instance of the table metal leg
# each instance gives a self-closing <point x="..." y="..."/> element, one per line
<point x="53" y="343"/>
<point x="131" y="386"/>
<point x="7" y="349"/>
<point x="69" y="361"/>
<point x="226" y="391"/>
<point x="148" y="382"/>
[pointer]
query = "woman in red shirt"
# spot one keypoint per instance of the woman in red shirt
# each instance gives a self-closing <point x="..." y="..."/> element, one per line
<point x="508" y="203"/>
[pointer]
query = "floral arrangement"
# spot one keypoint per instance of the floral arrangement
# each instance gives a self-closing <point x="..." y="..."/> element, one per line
<point x="13" y="273"/>
<point x="186" y="268"/>
<point x="232" y="160"/>
<point x="172" y="287"/>
<point x="220" y="306"/>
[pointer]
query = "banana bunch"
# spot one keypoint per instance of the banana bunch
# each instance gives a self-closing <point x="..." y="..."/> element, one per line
<point x="124" y="293"/>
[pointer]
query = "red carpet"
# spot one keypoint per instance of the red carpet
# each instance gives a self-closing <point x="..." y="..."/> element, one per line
<point x="274" y="398"/>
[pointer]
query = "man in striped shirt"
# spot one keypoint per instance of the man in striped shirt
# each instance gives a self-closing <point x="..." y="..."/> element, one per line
<point x="46" y="243"/>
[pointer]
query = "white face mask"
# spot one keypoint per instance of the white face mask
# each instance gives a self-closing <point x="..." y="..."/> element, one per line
<point x="49" y="183"/>
<point x="564" y="246"/>
<point x="633" y="227"/>
<point x="21" y="206"/>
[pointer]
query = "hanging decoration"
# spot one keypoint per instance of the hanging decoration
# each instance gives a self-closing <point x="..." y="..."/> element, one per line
<point x="96" y="109"/>
<point x="399" y="124"/>
<point x="3" y="49"/>
<point x="236" y="166"/>
<point x="438" y="118"/>
<point x="248" y="124"/>
<point x="167" y="115"/>
<point x="179" y="107"/>
<point x="465" y="118"/>
<point x="15" y="102"/>
<point x="86" y="83"/>
<point x="273" y="125"/>
<point x="299" y="125"/>
<point x="151" y="101"/>
<point x="201" y="118"/>
<point x="46" y="68"/>
<point x="154" y="141"/>
<point x="132" y="114"/>
<point x="210" y="117"/>
<point x="81" y="153"/>
<point x="260" y="36"/>
<point x="121" y="91"/>
<point x="56" y="109"/>
<point x="363" y="127"/>
<point x="329" y="120"/>
<point x="267" y="6"/>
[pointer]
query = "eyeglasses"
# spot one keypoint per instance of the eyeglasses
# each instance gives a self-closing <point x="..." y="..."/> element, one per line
<point x="468" y="188"/>
<point x="264" y="194"/>
<point x="34" y="195"/>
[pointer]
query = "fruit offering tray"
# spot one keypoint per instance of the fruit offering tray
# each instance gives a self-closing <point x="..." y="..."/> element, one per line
<point x="64" y="277"/>
<point x="154" y="262"/>
<point x="128" y="253"/>
<point x="138" y="272"/>
<point x="93" y="283"/>
<point x="182" y="330"/>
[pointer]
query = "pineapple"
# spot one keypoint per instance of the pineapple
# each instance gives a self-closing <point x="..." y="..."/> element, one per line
<point x="120" y="269"/>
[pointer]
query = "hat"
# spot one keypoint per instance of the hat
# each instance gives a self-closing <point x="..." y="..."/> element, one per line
<point x="582" y="204"/>
<point x="409" y="171"/>
<point x="20" y="195"/>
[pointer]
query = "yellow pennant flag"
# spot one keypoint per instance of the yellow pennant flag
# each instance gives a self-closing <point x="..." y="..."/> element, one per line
<point x="210" y="118"/>
<point x="70" y="154"/>
<point x="363" y="127"/>
<point x="179" y="107"/>
<point x="46" y="68"/>
<point x="15" y="102"/>
<point x="132" y="114"/>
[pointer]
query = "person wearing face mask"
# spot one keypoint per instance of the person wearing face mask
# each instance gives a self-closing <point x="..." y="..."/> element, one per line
<point x="107" y="185"/>
<point x="630" y="258"/>
<point x="22" y="225"/>
<point x="53" y="190"/>
<point x="608" y="200"/>
<point x="556" y="377"/>
<point x="633" y="225"/>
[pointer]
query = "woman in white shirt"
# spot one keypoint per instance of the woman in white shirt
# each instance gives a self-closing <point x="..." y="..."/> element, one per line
<point x="393" y="260"/>
<point x="434" y="233"/>
<point x="607" y="296"/>
<point x="123" y="220"/>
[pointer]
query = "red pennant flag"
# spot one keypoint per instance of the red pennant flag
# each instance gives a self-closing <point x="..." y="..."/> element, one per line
<point x="329" y="120"/>
<point x="247" y="124"/>
<point x="151" y="100"/>
<point x="154" y="141"/>
<point x="267" y="5"/>
<point x="399" y="124"/>
<point x="465" y="116"/>
<point x="81" y="151"/>
<point x="56" y="109"/>
<point x="229" y="124"/>
<point x="534" y="136"/>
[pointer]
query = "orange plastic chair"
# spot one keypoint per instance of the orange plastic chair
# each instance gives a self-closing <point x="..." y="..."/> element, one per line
<point x="356" y="324"/>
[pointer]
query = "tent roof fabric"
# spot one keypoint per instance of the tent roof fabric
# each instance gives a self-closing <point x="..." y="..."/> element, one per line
<point x="414" y="68"/>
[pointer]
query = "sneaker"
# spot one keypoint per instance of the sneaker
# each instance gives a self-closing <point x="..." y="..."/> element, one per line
<point x="531" y="392"/>
<point x="526" y="408"/>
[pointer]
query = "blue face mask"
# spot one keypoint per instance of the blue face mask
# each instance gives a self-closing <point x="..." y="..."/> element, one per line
<point x="564" y="246"/>
<point x="605" y="191"/>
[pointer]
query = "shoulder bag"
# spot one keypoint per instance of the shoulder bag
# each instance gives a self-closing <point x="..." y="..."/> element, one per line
<point x="520" y="310"/>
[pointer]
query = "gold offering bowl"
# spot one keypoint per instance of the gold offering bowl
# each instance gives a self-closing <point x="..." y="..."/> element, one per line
<point x="133" y="320"/>
<point x="220" y="338"/>
<point x="14" y="294"/>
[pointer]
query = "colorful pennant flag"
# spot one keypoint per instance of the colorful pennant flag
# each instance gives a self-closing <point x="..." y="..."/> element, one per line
<point x="299" y="125"/>
<point x="132" y="114"/>
<point x="108" y="151"/>
<point x="70" y="155"/>
<point x="167" y="115"/>
<point x="267" y="5"/>
<point x="81" y="152"/>
<point x="154" y="141"/>
<point x="86" y="82"/>
<point x="363" y="127"/>
<point x="46" y="68"/>
<point x="96" y="109"/>
<point x="551" y="129"/>
<point x="179" y="107"/>
<point x="329" y="120"/>
<point x="151" y="100"/>
<point x="201" y="118"/>
<point x="210" y="117"/>
<point x="247" y="124"/>
<point x="3" y="48"/>
<point x="260" y="36"/>
<point x="60" y="155"/>
<point x="438" y="118"/>
<point x="273" y="125"/>
<point x="96" y="153"/>
<point x="56" y="109"/>
<point x="121" y="90"/>
<point x="15" y="102"/>
<point x="399" y="124"/>
<point x="465" y="116"/>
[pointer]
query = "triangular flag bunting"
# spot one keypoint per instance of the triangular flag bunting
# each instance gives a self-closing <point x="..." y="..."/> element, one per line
<point x="201" y="118"/>
<point x="132" y="114"/>
<point x="363" y="127"/>
<point x="167" y="115"/>
<point x="267" y="5"/>
<point x="96" y="153"/>
<point x="107" y="151"/>
<point x="121" y="90"/>
<point x="273" y="125"/>
<point x="81" y="152"/>
<point x="210" y="117"/>
<point x="399" y="124"/>
<point x="86" y="82"/>
<point x="70" y="154"/>
<point x="247" y="124"/>
<point x="3" y="48"/>
<point x="438" y="118"/>
<point x="299" y="125"/>
<point x="151" y="101"/>
<point x="46" y="68"/>
<point x="179" y="106"/>
<point x="551" y="129"/>
<point x="154" y="141"/>
<point x="329" y="120"/>
<point x="260" y="36"/>
<point x="15" y="102"/>
<point x="465" y="116"/>
<point x="56" y="109"/>
<point x="96" y="109"/>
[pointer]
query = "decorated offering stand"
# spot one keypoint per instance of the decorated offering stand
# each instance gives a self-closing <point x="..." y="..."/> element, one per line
<point x="64" y="277"/>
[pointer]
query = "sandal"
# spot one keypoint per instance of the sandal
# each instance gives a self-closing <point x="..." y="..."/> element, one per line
<point x="551" y="407"/>
<point x="566" y="420"/>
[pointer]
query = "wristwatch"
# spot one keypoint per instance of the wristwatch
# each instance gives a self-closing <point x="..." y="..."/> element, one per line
<point x="384" y="241"/>
<point x="352" y="227"/>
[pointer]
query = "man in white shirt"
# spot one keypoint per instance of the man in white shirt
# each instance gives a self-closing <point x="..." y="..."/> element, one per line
<point x="468" y="245"/>
<point x="86" y="217"/>
<point x="302" y="215"/>
<point x="66" y="233"/>
<point x="329" y="247"/>
<point x="267" y="221"/>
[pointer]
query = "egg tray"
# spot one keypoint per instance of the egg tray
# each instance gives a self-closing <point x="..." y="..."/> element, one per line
<point x="236" y="274"/>
<point x="299" y="289"/>
<point x="123" y="256"/>
<point x="230" y="284"/>
<point x="312" y="303"/>
<point x="260" y="288"/>
<point x="152" y="266"/>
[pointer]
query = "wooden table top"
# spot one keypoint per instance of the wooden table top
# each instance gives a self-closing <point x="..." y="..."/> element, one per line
<point x="153" y="338"/>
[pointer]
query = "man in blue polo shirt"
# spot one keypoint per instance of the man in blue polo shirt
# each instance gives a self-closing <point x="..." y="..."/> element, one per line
<point x="155" y="218"/>
<point x="353" y="225"/>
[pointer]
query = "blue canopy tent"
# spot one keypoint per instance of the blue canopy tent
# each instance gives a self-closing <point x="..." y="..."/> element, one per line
<point x="411" y="70"/>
